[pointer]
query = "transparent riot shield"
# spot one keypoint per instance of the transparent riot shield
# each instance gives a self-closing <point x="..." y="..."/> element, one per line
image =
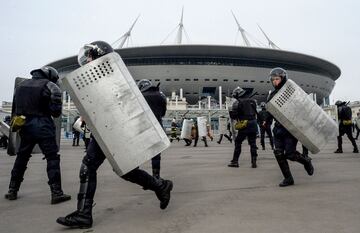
<point x="302" y="117"/>
<point x="116" y="112"/>
<point x="186" y="128"/>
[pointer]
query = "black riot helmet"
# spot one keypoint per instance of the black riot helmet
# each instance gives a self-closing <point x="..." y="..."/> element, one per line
<point x="48" y="72"/>
<point x="339" y="103"/>
<point x="144" y="85"/>
<point x="92" y="51"/>
<point x="238" y="93"/>
<point x="278" y="72"/>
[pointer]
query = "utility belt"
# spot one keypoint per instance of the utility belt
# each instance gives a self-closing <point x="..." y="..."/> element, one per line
<point x="241" y="124"/>
<point x="17" y="122"/>
<point x="347" y="122"/>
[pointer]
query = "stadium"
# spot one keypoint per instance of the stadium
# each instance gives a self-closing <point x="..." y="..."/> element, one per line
<point x="200" y="69"/>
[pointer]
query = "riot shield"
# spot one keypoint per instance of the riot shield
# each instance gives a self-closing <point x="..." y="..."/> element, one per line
<point x="77" y="125"/>
<point x="302" y="117"/>
<point x="4" y="129"/>
<point x="223" y="125"/>
<point x="186" y="129"/>
<point x="201" y="121"/>
<point x="116" y="112"/>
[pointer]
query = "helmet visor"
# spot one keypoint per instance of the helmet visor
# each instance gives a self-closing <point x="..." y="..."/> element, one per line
<point x="85" y="54"/>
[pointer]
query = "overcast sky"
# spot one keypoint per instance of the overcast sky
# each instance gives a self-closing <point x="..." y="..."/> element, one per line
<point x="37" y="32"/>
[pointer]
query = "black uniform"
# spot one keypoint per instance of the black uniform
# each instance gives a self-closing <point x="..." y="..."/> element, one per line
<point x="157" y="103"/>
<point x="245" y="109"/>
<point x="345" y="124"/>
<point x="38" y="99"/>
<point x="76" y="134"/>
<point x="94" y="157"/>
<point x="265" y="120"/>
<point x="82" y="217"/>
<point x="285" y="148"/>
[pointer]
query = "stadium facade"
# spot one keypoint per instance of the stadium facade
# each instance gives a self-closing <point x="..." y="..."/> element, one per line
<point x="201" y="69"/>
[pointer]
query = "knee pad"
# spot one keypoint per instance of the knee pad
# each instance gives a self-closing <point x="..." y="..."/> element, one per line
<point x="279" y="154"/>
<point x="84" y="173"/>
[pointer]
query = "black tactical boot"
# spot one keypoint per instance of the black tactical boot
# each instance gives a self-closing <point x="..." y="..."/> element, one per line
<point x="253" y="162"/>
<point x="81" y="218"/>
<point x="233" y="164"/>
<point x="355" y="150"/>
<point x="163" y="192"/>
<point x="308" y="166"/>
<point x="285" y="169"/>
<point x="13" y="189"/>
<point x="287" y="182"/>
<point x="57" y="195"/>
<point x="156" y="173"/>
<point x="338" y="151"/>
<point x="306" y="162"/>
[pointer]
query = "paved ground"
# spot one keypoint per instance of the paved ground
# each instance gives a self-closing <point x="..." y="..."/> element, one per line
<point x="208" y="196"/>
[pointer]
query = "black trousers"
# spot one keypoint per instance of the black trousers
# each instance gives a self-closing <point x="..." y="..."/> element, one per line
<point x="48" y="147"/>
<point x="4" y="141"/>
<point x="241" y="136"/>
<point x="345" y="130"/>
<point x="95" y="157"/>
<point x="202" y="139"/>
<point x="76" y="138"/>
<point x="188" y="141"/>
<point x="224" y="135"/>
<point x="156" y="161"/>
<point x="285" y="143"/>
<point x="266" y="129"/>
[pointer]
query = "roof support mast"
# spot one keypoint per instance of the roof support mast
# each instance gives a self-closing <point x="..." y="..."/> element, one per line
<point x="271" y="44"/>
<point x="126" y="35"/>
<point x="181" y="28"/>
<point x="242" y="31"/>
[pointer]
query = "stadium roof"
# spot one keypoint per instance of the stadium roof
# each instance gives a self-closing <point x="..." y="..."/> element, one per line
<point x="217" y="55"/>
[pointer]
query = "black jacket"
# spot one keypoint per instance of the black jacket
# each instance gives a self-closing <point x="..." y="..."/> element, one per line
<point x="156" y="101"/>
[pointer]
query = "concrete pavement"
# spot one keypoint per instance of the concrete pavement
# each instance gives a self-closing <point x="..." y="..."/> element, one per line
<point x="207" y="197"/>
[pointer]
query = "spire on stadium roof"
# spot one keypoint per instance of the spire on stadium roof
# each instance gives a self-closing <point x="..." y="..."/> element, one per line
<point x="271" y="44"/>
<point x="126" y="37"/>
<point x="242" y="31"/>
<point x="180" y="28"/>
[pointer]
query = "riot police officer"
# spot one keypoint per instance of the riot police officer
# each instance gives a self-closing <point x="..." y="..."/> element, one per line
<point x="76" y="134"/>
<point x="285" y="142"/>
<point x="38" y="100"/>
<point x="157" y="103"/>
<point x="82" y="217"/>
<point x="345" y="124"/>
<point x="244" y="112"/>
<point x="265" y="120"/>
